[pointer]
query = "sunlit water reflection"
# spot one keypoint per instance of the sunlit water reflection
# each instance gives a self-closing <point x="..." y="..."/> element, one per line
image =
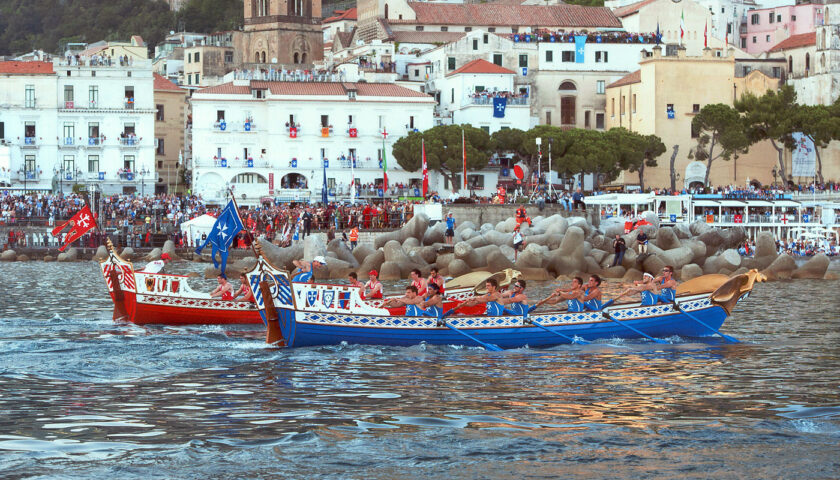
<point x="83" y="397"/>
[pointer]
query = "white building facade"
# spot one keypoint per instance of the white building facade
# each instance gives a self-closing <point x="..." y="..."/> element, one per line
<point x="271" y="139"/>
<point x="79" y="124"/>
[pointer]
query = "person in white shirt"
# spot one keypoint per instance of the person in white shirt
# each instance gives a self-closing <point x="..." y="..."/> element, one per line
<point x="157" y="265"/>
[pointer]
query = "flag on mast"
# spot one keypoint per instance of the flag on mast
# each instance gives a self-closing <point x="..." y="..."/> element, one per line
<point x="464" y="152"/>
<point x="658" y="35"/>
<point x="221" y="236"/>
<point x="682" y="26"/>
<point x="384" y="162"/>
<point x="352" y="179"/>
<point x="79" y="224"/>
<point x="425" y="170"/>
<point x="706" y="35"/>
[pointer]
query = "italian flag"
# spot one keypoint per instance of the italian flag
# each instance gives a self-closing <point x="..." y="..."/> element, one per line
<point x="682" y="26"/>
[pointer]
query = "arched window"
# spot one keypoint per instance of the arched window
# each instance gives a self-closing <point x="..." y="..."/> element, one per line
<point x="568" y="87"/>
<point x="386" y="11"/>
<point x="296" y="58"/>
<point x="263" y="56"/>
<point x="807" y="62"/>
<point x="256" y="57"/>
<point x="303" y="58"/>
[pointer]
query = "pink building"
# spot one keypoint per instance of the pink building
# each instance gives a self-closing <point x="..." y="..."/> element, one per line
<point x="764" y="28"/>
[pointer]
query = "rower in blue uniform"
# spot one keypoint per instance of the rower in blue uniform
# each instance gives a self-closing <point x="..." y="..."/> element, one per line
<point x="647" y="288"/>
<point x="432" y="305"/>
<point x="410" y="301"/>
<point x="592" y="294"/>
<point x="667" y="285"/>
<point x="306" y="269"/>
<point x="515" y="302"/>
<point x="573" y="296"/>
<point x="490" y="299"/>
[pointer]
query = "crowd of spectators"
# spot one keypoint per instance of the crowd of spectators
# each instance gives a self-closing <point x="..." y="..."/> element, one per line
<point x="546" y="35"/>
<point x="283" y="75"/>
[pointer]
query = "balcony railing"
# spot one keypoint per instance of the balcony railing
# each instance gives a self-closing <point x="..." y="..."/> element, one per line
<point x="29" y="142"/>
<point x="129" y="104"/>
<point x="68" y="142"/>
<point x="127" y="176"/>
<point x="95" y="141"/>
<point x="129" y="142"/>
<point x="29" y="175"/>
<point x="487" y="100"/>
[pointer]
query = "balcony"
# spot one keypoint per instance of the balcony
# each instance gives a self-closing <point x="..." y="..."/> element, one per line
<point x="29" y="176"/>
<point x="488" y="100"/>
<point x="95" y="141"/>
<point x="126" y="176"/>
<point x="130" y="142"/>
<point x="326" y="131"/>
<point x="249" y="125"/>
<point x="29" y="142"/>
<point x="220" y="125"/>
<point x="67" y="142"/>
<point x="129" y="104"/>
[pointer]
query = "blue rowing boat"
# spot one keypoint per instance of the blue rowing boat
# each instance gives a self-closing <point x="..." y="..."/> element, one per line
<point x="302" y="314"/>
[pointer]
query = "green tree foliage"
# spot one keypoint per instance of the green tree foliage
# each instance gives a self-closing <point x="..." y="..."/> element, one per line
<point x="586" y="3"/>
<point x="721" y="135"/>
<point x="772" y="117"/>
<point x="26" y="25"/>
<point x="635" y="151"/>
<point x="443" y="151"/>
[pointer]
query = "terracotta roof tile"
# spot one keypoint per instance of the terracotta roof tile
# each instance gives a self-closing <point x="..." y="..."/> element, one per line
<point x="628" y="10"/>
<point x="635" y="77"/>
<point x="318" y="88"/>
<point x="481" y="66"/>
<point x="427" y="37"/>
<point x="796" y="41"/>
<point x="495" y="14"/>
<point x="26" y="68"/>
<point x="163" y="83"/>
<point x="349" y="14"/>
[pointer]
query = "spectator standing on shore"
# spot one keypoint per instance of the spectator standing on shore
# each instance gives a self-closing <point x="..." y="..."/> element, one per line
<point x="620" y="246"/>
<point x="577" y="199"/>
<point x="642" y="238"/>
<point x="450" y="229"/>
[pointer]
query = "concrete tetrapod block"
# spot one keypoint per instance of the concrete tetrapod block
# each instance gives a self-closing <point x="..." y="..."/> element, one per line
<point x="373" y="261"/>
<point x="729" y="259"/>
<point x="341" y="251"/>
<point x="213" y="272"/>
<point x="651" y="218"/>
<point x="653" y="265"/>
<point x="242" y="265"/>
<point x="711" y="265"/>
<point x="335" y="268"/>
<point x="72" y="254"/>
<point x="599" y="256"/>
<point x="813" y="268"/>
<point x="529" y="258"/>
<point x="698" y="227"/>
<point x="497" y="261"/>
<point x="713" y="238"/>
<point x="410" y="242"/>
<point x="466" y="224"/>
<point x="692" y="270"/>
<point x="361" y="252"/>
<point x="394" y="252"/>
<point x="458" y="267"/>
<point x="781" y="268"/>
<point x="390" y="271"/>
<point x="678" y="257"/>
<point x="153" y="255"/>
<point x="169" y="247"/>
<point x="127" y="253"/>
<point x="49" y="258"/>
<point x="733" y="237"/>
<point x="313" y="246"/>
<point x="23" y="258"/>
<point x="682" y="231"/>
<point x="101" y="253"/>
<point x="281" y="257"/>
<point x="8" y="256"/>
<point x="556" y="225"/>
<point x="666" y="239"/>
<point x="632" y="275"/>
<point x="698" y="250"/>
<point x="765" y="250"/>
<point x="534" y="274"/>
<point x="506" y="226"/>
<point x="416" y="227"/>
<point x="614" y="272"/>
<point x="436" y="234"/>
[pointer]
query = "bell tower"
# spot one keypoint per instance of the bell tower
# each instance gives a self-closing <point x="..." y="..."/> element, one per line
<point x="281" y="32"/>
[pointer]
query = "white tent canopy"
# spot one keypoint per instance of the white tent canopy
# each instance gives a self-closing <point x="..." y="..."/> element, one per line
<point x="193" y="229"/>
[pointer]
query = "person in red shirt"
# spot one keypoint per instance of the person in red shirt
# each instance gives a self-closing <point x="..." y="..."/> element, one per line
<point x="374" y="285"/>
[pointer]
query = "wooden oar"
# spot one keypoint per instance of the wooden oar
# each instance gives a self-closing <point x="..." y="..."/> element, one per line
<point x="729" y="339"/>
<point x="273" y="334"/>
<point x="486" y="346"/>
<point x="568" y="338"/>
<point x="610" y="317"/>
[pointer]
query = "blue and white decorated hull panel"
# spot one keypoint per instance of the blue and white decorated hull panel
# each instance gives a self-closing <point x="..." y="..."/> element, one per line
<point x="665" y="325"/>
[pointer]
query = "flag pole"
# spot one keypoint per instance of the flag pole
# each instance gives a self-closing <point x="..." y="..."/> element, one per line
<point x="236" y="210"/>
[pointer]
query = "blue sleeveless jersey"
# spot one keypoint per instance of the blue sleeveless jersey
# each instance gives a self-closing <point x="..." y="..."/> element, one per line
<point x="667" y="295"/>
<point x="575" y="305"/>
<point x="495" y="308"/>
<point x="302" y="277"/>
<point x="415" y="311"/>
<point x="516" y="308"/>
<point x="593" y="304"/>
<point x="649" y="298"/>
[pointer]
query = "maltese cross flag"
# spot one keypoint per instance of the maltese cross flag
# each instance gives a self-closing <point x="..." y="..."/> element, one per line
<point x="79" y="225"/>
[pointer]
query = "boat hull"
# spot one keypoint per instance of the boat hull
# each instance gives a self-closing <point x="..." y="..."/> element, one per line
<point x="303" y="329"/>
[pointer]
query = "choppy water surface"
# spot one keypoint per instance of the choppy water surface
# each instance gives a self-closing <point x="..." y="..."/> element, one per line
<point x="82" y="397"/>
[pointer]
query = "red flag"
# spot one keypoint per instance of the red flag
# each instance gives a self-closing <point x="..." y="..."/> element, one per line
<point x="706" y="36"/>
<point x="425" y="170"/>
<point x="464" y="151"/>
<point x="79" y="225"/>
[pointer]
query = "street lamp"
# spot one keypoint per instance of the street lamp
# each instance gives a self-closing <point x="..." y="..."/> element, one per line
<point x="143" y="174"/>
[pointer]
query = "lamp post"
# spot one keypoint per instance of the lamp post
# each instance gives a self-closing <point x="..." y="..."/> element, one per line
<point x="143" y="174"/>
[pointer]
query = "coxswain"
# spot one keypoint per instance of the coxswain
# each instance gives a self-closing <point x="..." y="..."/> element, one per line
<point x="410" y="298"/>
<point x="354" y="282"/>
<point x="306" y="269"/>
<point x="157" y="265"/>
<point x="374" y="285"/>
<point x="647" y="288"/>
<point x="244" y="290"/>
<point x="418" y="281"/>
<point x="514" y="300"/>
<point x="224" y="290"/>
<point x="436" y="278"/>
<point x="573" y="296"/>
<point x="592" y="294"/>
<point x="667" y="285"/>
<point x="491" y="298"/>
